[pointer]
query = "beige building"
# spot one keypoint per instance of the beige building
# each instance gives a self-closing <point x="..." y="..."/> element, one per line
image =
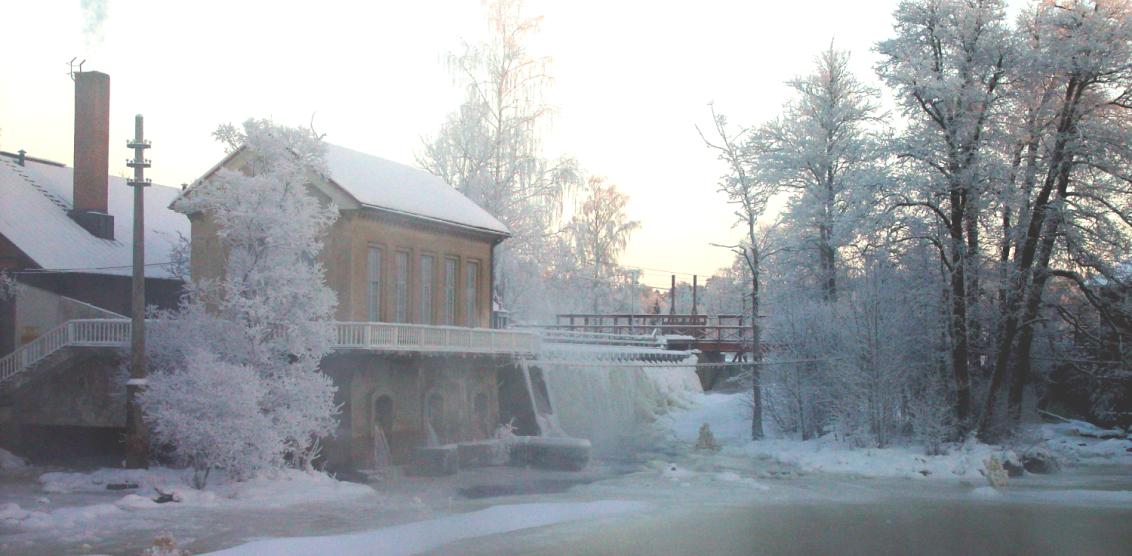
<point x="407" y="248"/>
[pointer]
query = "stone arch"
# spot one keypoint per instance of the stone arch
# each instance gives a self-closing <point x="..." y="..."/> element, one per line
<point x="434" y="416"/>
<point x="382" y="419"/>
<point x="481" y="415"/>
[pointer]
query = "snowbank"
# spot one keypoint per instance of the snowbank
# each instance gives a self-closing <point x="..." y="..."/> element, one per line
<point x="271" y="490"/>
<point x="11" y="462"/>
<point x="1070" y="443"/>
<point x="729" y="416"/>
<point x="421" y="536"/>
<point x="825" y="455"/>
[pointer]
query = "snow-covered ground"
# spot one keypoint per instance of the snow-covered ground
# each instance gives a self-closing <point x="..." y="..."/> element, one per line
<point x="11" y="463"/>
<point x="728" y="415"/>
<point x="301" y="513"/>
<point x="82" y="505"/>
<point x="417" y="537"/>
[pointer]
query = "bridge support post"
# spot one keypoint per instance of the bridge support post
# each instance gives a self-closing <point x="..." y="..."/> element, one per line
<point x="710" y="377"/>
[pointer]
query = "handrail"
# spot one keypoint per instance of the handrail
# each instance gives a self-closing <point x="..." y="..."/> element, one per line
<point x="380" y="336"/>
<point x="373" y="336"/>
<point x="421" y="337"/>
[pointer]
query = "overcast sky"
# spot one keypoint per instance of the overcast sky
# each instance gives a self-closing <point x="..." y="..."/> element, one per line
<point x="632" y="79"/>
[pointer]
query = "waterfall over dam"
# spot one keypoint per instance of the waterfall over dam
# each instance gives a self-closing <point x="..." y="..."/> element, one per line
<point x="609" y="403"/>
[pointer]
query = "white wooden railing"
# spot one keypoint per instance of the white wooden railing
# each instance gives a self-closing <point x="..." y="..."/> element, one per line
<point x="373" y="336"/>
<point x="443" y="339"/>
<point x="378" y="336"/>
<point x="83" y="332"/>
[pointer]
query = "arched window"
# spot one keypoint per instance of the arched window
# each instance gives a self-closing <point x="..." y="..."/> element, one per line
<point x="383" y="413"/>
<point x="482" y="415"/>
<point x="434" y="416"/>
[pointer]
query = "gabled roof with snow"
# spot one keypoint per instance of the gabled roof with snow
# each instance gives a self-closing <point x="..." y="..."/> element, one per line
<point x="384" y="184"/>
<point x="377" y="183"/>
<point x="35" y="198"/>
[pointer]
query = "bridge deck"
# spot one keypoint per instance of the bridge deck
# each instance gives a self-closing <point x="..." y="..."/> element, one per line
<point x="722" y="333"/>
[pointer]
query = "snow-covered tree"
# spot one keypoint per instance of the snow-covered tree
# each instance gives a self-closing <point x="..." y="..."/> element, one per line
<point x="947" y="64"/>
<point x="821" y="152"/>
<point x="1073" y="202"/>
<point x="750" y="197"/>
<point x="490" y="149"/>
<point x="7" y="286"/>
<point x="270" y="310"/>
<point x="211" y="414"/>
<point x="599" y="233"/>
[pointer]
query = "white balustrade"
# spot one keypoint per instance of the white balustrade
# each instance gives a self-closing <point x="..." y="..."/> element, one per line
<point x="369" y="336"/>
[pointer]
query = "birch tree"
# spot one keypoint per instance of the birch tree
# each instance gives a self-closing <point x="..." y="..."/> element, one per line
<point x="490" y="148"/>
<point x="750" y="197"/>
<point x="820" y="150"/>
<point x="270" y="311"/>
<point x="599" y="233"/>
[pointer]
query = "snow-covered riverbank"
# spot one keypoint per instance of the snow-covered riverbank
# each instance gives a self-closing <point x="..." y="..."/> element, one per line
<point x="728" y="416"/>
<point x="52" y="513"/>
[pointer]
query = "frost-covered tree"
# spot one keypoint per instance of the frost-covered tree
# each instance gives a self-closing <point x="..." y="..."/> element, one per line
<point x="1074" y="204"/>
<point x="7" y="286"/>
<point x="599" y="233"/>
<point x="270" y="310"/>
<point x="821" y="152"/>
<point x="750" y="197"/>
<point x="212" y="414"/>
<point x="491" y="149"/>
<point x="947" y="65"/>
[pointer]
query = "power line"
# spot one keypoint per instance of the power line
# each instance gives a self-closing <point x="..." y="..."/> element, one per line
<point x="604" y="364"/>
<point x="65" y="270"/>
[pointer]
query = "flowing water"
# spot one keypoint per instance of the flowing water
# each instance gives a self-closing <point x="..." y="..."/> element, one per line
<point x="613" y="405"/>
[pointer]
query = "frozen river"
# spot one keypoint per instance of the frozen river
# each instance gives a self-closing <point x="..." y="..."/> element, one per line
<point x="660" y="497"/>
<point x="895" y="525"/>
<point x="1081" y="511"/>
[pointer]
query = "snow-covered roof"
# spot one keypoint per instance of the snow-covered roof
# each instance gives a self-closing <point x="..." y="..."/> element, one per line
<point x="384" y="184"/>
<point x="35" y="198"/>
<point x="378" y="183"/>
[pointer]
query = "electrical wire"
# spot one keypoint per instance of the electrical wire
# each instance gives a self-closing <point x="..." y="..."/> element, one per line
<point x="66" y="270"/>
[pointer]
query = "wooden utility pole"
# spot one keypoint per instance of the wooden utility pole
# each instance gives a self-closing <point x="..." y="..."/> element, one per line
<point x="137" y="437"/>
<point x="672" y="297"/>
<point x="694" y="287"/>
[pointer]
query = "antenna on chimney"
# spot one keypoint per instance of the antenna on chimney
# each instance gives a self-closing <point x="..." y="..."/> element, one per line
<point x="71" y="68"/>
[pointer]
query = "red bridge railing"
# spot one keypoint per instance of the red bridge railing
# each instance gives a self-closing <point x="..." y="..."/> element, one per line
<point x="714" y="333"/>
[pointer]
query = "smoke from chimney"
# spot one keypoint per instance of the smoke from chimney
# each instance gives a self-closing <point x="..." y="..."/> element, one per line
<point x="94" y="15"/>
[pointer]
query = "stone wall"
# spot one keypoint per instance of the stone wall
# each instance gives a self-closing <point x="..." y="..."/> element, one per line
<point x="82" y="387"/>
<point x="456" y="396"/>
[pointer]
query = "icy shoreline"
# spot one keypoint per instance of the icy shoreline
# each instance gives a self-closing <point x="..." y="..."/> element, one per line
<point x="728" y="415"/>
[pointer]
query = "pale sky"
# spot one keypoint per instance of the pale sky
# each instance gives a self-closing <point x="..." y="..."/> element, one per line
<point x="631" y="81"/>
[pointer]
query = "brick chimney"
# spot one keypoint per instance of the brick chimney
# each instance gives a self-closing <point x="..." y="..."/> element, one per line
<point x="92" y="153"/>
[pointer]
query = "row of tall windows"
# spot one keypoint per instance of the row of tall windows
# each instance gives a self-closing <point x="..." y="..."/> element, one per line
<point x="401" y="279"/>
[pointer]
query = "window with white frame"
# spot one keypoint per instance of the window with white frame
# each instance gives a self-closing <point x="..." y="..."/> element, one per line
<point x="426" y="289"/>
<point x="451" y="268"/>
<point x="402" y="283"/>
<point x="471" y="280"/>
<point x="373" y="284"/>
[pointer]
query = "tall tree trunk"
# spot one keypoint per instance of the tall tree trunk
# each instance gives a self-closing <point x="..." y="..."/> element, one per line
<point x="828" y="252"/>
<point x="973" y="284"/>
<point x="1032" y="262"/>
<point x="756" y="343"/>
<point x="958" y="325"/>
